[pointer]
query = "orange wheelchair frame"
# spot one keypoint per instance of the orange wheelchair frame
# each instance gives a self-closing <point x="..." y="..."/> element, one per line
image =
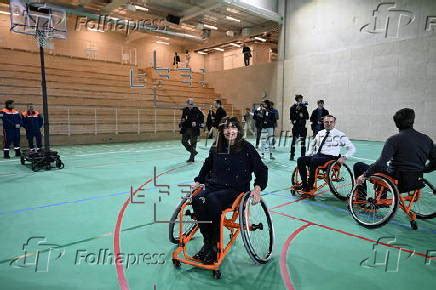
<point x="231" y="223"/>
<point x="383" y="184"/>
<point x="329" y="173"/>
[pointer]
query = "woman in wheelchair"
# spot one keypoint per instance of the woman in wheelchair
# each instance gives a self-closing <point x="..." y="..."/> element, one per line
<point x="226" y="173"/>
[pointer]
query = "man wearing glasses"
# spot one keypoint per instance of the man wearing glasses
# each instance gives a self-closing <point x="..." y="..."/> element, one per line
<point x="324" y="147"/>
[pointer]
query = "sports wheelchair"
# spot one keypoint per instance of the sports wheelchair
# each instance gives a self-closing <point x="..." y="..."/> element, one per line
<point x="252" y="221"/>
<point x="337" y="176"/>
<point x="379" y="204"/>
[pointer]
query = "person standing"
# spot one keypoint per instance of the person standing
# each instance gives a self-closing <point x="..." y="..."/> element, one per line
<point x="209" y="122"/>
<point x="32" y="122"/>
<point x="176" y="60"/>
<point x="246" y="51"/>
<point x="191" y="122"/>
<point x="248" y="120"/>
<point x="267" y="133"/>
<point x="187" y="58"/>
<point x="258" y="119"/>
<point x="299" y="116"/>
<point x="219" y="114"/>
<point x="317" y="116"/>
<point x="11" y="128"/>
<point x="276" y="118"/>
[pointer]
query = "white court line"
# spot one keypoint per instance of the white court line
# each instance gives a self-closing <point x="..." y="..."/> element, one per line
<point x="360" y="158"/>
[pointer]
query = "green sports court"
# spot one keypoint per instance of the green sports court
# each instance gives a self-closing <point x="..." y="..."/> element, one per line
<point x="79" y="207"/>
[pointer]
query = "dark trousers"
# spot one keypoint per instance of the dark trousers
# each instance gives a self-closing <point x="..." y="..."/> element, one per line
<point x="189" y="140"/>
<point x="407" y="181"/>
<point x="10" y="137"/>
<point x="246" y="59"/>
<point x="208" y="206"/>
<point x="37" y="136"/>
<point x="258" y="133"/>
<point x="310" y="163"/>
<point x="298" y="132"/>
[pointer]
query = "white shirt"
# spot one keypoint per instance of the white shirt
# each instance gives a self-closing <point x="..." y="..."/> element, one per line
<point x="332" y="145"/>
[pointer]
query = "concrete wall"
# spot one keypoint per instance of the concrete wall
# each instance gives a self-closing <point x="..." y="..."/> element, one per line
<point x="246" y="85"/>
<point x="364" y="73"/>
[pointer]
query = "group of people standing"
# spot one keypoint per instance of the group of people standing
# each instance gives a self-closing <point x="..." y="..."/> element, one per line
<point x="13" y="120"/>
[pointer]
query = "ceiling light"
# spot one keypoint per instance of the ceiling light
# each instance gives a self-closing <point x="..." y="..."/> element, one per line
<point x="218" y="48"/>
<point x="141" y="8"/>
<point x="232" y="19"/>
<point x="232" y="10"/>
<point x="260" y="38"/>
<point x="163" y="42"/>
<point x="201" y="52"/>
<point x="235" y="44"/>
<point x="4" y="12"/>
<point x="210" y="26"/>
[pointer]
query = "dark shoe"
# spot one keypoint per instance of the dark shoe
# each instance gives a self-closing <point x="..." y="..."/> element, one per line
<point x="211" y="256"/>
<point x="202" y="253"/>
<point x="271" y="157"/>
<point x="190" y="160"/>
<point x="291" y="158"/>
<point x="17" y="152"/>
<point x="6" y="154"/>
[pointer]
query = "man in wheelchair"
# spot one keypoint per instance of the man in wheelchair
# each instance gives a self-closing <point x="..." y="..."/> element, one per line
<point x="226" y="173"/>
<point x="407" y="153"/>
<point x="324" y="147"/>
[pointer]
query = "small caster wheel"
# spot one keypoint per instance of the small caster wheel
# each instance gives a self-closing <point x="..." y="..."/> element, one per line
<point x="216" y="274"/>
<point x="59" y="164"/>
<point x="176" y="263"/>
<point x="22" y="159"/>
<point x="414" y="225"/>
<point x="292" y="192"/>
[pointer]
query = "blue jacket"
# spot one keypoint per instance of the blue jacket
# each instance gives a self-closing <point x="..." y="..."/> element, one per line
<point x="32" y="121"/>
<point x="11" y="119"/>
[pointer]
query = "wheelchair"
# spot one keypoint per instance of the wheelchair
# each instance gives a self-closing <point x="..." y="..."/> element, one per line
<point x="337" y="176"/>
<point x="379" y="204"/>
<point x="41" y="159"/>
<point x="253" y="222"/>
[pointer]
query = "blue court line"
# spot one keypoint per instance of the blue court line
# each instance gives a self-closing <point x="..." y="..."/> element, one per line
<point x="17" y="211"/>
<point x="326" y="206"/>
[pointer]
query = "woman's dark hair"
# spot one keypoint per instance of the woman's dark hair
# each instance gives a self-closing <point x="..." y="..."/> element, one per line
<point x="222" y="145"/>
<point x="404" y="118"/>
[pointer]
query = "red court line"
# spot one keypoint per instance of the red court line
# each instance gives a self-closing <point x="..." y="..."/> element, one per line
<point x="357" y="236"/>
<point x="284" y="271"/>
<point x="119" y="266"/>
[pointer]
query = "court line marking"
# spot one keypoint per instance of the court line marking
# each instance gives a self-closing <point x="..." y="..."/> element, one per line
<point x="116" y="241"/>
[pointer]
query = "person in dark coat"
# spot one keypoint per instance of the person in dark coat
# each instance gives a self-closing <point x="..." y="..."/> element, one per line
<point x="317" y="116"/>
<point x="226" y="173"/>
<point x="407" y="153"/>
<point x="298" y="115"/>
<point x="12" y="123"/>
<point x="219" y="114"/>
<point x="33" y="122"/>
<point x="191" y="122"/>
<point x="209" y="122"/>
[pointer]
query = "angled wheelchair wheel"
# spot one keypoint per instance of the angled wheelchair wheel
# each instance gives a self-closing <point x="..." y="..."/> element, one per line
<point x="374" y="207"/>
<point x="295" y="180"/>
<point x="188" y="224"/>
<point x="340" y="180"/>
<point x="256" y="229"/>
<point x="425" y="205"/>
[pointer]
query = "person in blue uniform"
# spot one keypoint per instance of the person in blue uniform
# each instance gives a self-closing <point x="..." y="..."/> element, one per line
<point x="226" y="172"/>
<point x="32" y="122"/>
<point x="11" y="128"/>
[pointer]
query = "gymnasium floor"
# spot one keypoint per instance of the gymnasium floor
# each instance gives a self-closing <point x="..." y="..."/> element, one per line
<point x="84" y="209"/>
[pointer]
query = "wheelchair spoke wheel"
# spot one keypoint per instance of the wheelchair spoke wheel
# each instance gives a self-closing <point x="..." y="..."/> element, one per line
<point x="424" y="205"/>
<point x="374" y="207"/>
<point x="340" y="180"/>
<point x="188" y="221"/>
<point x="256" y="229"/>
